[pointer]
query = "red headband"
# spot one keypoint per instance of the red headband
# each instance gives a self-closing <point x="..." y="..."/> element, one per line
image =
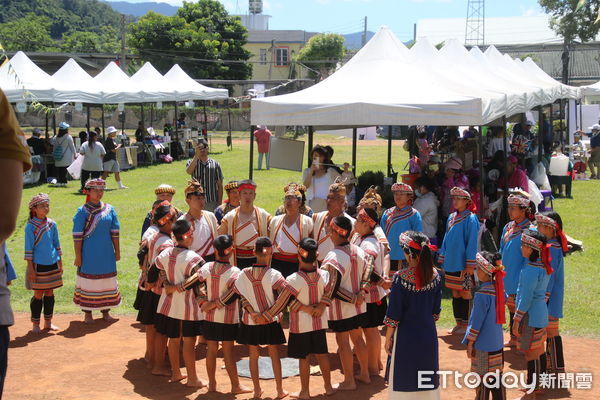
<point x="188" y="234"/>
<point x="365" y="217"/>
<point x="168" y="216"/>
<point x="247" y="186"/>
<point x="340" y="231"/>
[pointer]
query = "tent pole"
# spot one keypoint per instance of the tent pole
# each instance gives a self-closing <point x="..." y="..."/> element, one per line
<point x="251" y="151"/>
<point x="176" y="119"/>
<point x="310" y="144"/>
<point x="551" y="117"/>
<point x="142" y="110"/>
<point x="88" y="119"/>
<point x="389" y="163"/>
<point x="205" y="118"/>
<point x="540" y="133"/>
<point x="53" y="119"/>
<point x="505" y="157"/>
<point x="47" y="125"/>
<point x="580" y="115"/>
<point x="354" y="135"/>
<point x="481" y="173"/>
<point x="103" y="123"/>
<point x="123" y="120"/>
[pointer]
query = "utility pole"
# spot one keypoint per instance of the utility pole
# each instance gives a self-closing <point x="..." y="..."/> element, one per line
<point x="122" y="60"/>
<point x="364" y="35"/>
<point x="565" y="58"/>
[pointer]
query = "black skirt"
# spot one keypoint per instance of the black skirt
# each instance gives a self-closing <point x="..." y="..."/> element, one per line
<point x="242" y="263"/>
<point x="139" y="296"/>
<point x="375" y="314"/>
<point x="209" y="258"/>
<point x="260" y="335"/>
<point x="300" y="345"/>
<point x="148" y="307"/>
<point x="220" y="332"/>
<point x="348" y="324"/>
<point x="285" y="267"/>
<point x="176" y="328"/>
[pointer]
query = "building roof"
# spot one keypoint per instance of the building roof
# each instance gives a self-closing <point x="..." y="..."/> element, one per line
<point x="283" y="36"/>
<point x="498" y="30"/>
<point x="584" y="64"/>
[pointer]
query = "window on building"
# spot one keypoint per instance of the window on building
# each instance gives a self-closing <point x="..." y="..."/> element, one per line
<point x="262" y="57"/>
<point x="281" y="57"/>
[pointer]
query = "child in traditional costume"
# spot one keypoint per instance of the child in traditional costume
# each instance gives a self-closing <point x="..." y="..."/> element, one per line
<point x="376" y="299"/>
<point x="231" y="202"/>
<point x="399" y="219"/>
<point x="178" y="314"/>
<point x="204" y="223"/>
<point x="304" y="291"/>
<point x="336" y="206"/>
<point x="411" y="336"/>
<point x="245" y="224"/>
<point x="484" y="337"/>
<point x="156" y="239"/>
<point x="457" y="256"/>
<point x="349" y="273"/>
<point x="257" y="286"/>
<point x="287" y="230"/>
<point x="96" y="236"/>
<point x="550" y="225"/>
<point x="371" y="199"/>
<point x="531" y="314"/>
<point x="221" y="312"/>
<point x="521" y="211"/>
<point x="304" y="208"/>
<point x="44" y="261"/>
<point x="163" y="192"/>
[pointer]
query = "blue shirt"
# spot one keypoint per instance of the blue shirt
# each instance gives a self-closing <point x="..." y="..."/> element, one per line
<point x="42" y="244"/>
<point x="396" y="221"/>
<point x="555" y="292"/>
<point x="531" y="294"/>
<point x="483" y="329"/>
<point x="512" y="258"/>
<point x="11" y="274"/>
<point x="595" y="141"/>
<point x="460" y="242"/>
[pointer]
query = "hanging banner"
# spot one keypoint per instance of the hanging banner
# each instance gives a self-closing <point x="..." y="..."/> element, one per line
<point x="158" y="105"/>
<point x="79" y="107"/>
<point x="121" y="107"/>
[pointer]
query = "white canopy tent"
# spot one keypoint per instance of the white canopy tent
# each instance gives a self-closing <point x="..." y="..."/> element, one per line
<point x="75" y="85"/>
<point x="188" y="89"/>
<point x="21" y="79"/>
<point x="377" y="86"/>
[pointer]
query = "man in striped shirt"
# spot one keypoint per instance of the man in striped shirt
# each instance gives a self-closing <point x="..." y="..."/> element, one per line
<point x="208" y="172"/>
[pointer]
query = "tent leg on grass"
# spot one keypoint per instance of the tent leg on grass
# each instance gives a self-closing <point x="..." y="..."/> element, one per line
<point x="310" y="144"/>
<point x="251" y="151"/>
<point x="89" y="128"/>
<point x="354" y="134"/>
<point x="103" y="122"/>
<point x="389" y="159"/>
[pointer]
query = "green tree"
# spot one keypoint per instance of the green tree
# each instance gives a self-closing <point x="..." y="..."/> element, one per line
<point x="90" y="42"/>
<point x="322" y="53"/>
<point x="202" y="37"/>
<point x="30" y="33"/>
<point x="572" y="19"/>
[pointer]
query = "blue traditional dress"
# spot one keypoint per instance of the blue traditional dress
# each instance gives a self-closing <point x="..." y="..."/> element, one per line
<point x="512" y="258"/>
<point x="42" y="247"/>
<point x="531" y="308"/>
<point x="555" y="292"/>
<point x="96" y="287"/>
<point x="459" y="247"/>
<point x="413" y="313"/>
<point x="396" y="221"/>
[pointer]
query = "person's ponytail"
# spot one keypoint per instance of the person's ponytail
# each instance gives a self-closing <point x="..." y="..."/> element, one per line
<point x="426" y="264"/>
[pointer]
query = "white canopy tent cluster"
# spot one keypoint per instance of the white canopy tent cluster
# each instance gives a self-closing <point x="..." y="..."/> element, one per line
<point x="23" y="81"/>
<point x="386" y="83"/>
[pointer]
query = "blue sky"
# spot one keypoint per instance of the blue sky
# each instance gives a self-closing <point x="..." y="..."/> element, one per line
<point x="345" y="16"/>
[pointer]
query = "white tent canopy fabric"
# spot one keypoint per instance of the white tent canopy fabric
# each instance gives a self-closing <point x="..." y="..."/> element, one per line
<point x="385" y="83"/>
<point x="20" y="78"/>
<point x="591" y="90"/>
<point x="23" y="81"/>
<point x="377" y="86"/>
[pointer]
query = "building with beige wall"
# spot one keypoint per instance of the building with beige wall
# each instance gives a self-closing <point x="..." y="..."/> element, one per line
<point x="273" y="52"/>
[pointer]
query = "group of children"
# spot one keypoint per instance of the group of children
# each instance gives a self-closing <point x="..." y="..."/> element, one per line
<point x="200" y="280"/>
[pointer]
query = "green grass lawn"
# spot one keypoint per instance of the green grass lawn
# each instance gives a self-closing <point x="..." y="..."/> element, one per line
<point x="580" y="216"/>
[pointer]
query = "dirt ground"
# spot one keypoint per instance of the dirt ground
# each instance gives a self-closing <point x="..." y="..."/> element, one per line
<point x="104" y="361"/>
